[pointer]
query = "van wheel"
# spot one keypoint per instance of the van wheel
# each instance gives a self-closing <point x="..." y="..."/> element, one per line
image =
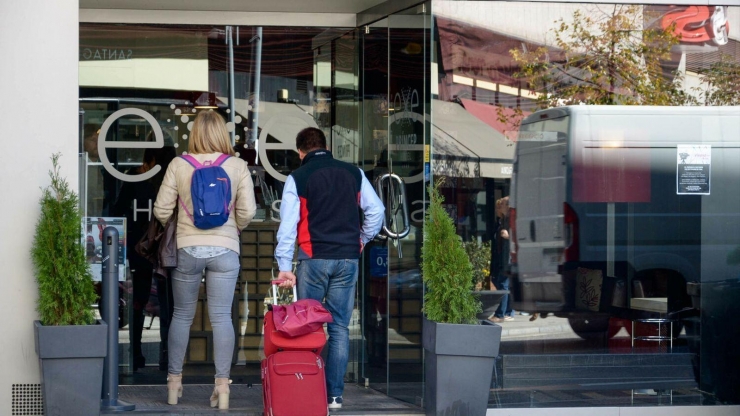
<point x="591" y="327"/>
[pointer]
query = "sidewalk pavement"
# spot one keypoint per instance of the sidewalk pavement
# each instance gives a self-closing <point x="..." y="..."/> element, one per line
<point x="522" y="327"/>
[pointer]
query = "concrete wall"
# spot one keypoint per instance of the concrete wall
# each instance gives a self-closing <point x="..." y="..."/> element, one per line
<point x="39" y="105"/>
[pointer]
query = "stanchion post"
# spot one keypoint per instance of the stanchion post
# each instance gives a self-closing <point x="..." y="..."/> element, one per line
<point x="109" y="400"/>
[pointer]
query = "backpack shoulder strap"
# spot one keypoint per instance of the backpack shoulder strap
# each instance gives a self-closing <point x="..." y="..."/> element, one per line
<point x="193" y="161"/>
<point x="221" y="159"/>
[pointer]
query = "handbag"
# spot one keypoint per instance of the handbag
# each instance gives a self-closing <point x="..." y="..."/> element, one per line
<point x="168" y="246"/>
<point x="159" y="245"/>
<point x="300" y="317"/>
<point x="149" y="243"/>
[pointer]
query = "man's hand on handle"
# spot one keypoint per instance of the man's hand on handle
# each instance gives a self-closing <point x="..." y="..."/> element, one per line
<point x="288" y="279"/>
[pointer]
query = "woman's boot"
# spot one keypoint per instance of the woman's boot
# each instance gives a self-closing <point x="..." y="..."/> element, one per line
<point x="174" y="388"/>
<point x="220" y="396"/>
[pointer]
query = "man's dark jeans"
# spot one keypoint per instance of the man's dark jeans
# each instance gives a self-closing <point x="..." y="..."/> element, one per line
<point x="332" y="282"/>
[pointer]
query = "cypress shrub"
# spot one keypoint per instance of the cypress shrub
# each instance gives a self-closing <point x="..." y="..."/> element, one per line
<point x="66" y="291"/>
<point x="446" y="268"/>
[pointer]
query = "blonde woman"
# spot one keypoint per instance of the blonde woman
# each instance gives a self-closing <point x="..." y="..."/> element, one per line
<point x="501" y="261"/>
<point x="214" y="250"/>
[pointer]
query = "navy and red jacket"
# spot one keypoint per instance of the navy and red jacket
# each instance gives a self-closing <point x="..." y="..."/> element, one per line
<point x="330" y="208"/>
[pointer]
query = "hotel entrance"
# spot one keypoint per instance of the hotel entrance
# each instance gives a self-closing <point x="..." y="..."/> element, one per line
<point x="367" y="88"/>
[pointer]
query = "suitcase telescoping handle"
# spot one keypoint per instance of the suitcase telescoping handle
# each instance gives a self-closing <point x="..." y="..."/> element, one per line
<point x="276" y="282"/>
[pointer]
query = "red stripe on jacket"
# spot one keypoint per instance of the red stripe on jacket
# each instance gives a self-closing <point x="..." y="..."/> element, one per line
<point x="304" y="237"/>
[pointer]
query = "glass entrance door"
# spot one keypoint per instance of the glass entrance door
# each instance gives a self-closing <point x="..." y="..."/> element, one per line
<point x="395" y="135"/>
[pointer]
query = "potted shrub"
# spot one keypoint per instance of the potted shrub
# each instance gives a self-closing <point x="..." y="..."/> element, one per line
<point x="480" y="258"/>
<point x="70" y="342"/>
<point x="460" y="350"/>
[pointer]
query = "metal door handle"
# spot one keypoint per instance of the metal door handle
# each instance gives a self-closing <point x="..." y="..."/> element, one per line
<point x="398" y="201"/>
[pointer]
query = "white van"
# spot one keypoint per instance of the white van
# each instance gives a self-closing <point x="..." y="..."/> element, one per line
<point x="647" y="197"/>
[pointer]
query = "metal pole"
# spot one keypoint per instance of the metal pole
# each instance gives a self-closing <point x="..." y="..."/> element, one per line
<point x="256" y="91"/>
<point x="109" y="400"/>
<point x="232" y="112"/>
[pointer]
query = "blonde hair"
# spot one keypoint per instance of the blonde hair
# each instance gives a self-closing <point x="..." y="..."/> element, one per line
<point x="500" y="203"/>
<point x="209" y="134"/>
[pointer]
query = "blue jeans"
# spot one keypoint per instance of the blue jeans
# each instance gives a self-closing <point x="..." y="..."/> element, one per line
<point x="221" y="275"/>
<point x="502" y="283"/>
<point x="332" y="282"/>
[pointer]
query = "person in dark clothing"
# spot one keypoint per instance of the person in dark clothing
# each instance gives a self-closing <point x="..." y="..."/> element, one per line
<point x="321" y="205"/>
<point x="135" y="202"/>
<point x="500" y="260"/>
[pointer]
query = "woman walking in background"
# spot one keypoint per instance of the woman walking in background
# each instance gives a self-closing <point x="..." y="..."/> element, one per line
<point x="501" y="260"/>
<point x="213" y="250"/>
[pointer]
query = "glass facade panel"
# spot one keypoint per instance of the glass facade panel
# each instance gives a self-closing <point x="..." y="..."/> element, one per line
<point x="595" y="148"/>
<point x="591" y="156"/>
<point x="375" y="156"/>
<point x="395" y="112"/>
<point x="268" y="84"/>
<point x="408" y="101"/>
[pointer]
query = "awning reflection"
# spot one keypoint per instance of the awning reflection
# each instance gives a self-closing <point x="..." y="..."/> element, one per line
<point x="464" y="146"/>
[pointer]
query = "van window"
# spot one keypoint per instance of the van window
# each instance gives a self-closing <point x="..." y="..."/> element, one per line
<point x="540" y="193"/>
<point x="541" y="152"/>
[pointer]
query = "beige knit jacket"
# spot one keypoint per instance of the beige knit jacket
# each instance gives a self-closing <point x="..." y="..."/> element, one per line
<point x="177" y="182"/>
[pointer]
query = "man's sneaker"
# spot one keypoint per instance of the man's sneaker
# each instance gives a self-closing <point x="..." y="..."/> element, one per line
<point x="508" y="318"/>
<point x="335" y="402"/>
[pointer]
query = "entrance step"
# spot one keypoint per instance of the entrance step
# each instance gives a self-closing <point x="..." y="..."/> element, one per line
<point x="246" y="400"/>
<point x="597" y="371"/>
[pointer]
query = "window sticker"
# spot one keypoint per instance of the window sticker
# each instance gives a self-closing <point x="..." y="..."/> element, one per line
<point x="693" y="171"/>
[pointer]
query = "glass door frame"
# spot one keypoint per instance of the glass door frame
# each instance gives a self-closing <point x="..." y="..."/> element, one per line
<point x="392" y="303"/>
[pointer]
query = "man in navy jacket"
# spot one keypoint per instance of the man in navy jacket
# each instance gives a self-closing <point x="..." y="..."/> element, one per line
<point x="332" y="210"/>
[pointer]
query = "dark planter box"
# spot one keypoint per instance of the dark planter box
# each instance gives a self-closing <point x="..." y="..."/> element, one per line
<point x="490" y="300"/>
<point x="71" y="360"/>
<point x="458" y="365"/>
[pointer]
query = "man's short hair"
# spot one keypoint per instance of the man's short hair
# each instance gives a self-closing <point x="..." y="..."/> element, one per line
<point x="310" y="139"/>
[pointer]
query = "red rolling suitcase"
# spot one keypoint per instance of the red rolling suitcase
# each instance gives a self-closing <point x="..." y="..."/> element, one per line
<point x="276" y="341"/>
<point x="293" y="378"/>
<point x="294" y="384"/>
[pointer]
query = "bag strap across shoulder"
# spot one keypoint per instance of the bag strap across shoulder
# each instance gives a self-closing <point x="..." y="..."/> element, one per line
<point x="197" y="165"/>
<point x="193" y="161"/>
